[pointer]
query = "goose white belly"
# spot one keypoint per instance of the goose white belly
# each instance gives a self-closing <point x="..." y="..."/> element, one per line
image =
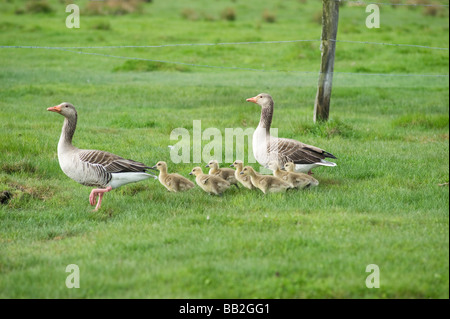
<point x="82" y="172"/>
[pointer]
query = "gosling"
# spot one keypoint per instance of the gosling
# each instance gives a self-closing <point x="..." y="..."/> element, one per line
<point x="266" y="183"/>
<point x="210" y="183"/>
<point x="227" y="174"/>
<point x="290" y="167"/>
<point x="293" y="179"/>
<point x="173" y="182"/>
<point x="244" y="180"/>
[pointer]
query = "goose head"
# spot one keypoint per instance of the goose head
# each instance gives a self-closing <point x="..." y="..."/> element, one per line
<point x="196" y="171"/>
<point x="262" y="99"/>
<point x="65" y="109"/>
<point x="213" y="164"/>
<point x="237" y="164"/>
<point x="160" y="166"/>
<point x="247" y="171"/>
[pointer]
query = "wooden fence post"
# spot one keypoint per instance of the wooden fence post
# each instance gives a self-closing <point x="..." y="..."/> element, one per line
<point x="330" y="21"/>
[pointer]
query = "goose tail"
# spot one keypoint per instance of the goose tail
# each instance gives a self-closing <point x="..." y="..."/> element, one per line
<point x="326" y="163"/>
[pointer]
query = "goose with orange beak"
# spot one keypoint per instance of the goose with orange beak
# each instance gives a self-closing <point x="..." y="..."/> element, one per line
<point x="267" y="148"/>
<point x="100" y="169"/>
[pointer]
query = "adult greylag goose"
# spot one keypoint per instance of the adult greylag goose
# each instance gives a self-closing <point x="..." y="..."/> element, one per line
<point x="226" y="173"/>
<point x="211" y="184"/>
<point x="267" y="148"/>
<point x="266" y="183"/>
<point x="244" y="180"/>
<point x="91" y="167"/>
<point x="173" y="182"/>
<point x="296" y="180"/>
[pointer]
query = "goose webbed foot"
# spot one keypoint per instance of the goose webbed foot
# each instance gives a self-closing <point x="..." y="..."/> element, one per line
<point x="98" y="192"/>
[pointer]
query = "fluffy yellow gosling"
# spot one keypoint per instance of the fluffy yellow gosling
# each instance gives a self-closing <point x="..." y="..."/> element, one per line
<point x="266" y="183"/>
<point x="290" y="168"/>
<point x="244" y="180"/>
<point x="173" y="182"/>
<point x="210" y="183"/>
<point x="227" y="174"/>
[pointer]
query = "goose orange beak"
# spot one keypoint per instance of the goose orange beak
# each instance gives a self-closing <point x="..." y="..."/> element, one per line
<point x="56" y="109"/>
<point x="252" y="99"/>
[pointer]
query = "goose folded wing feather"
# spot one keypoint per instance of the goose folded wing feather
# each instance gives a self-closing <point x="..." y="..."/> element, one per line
<point x="111" y="163"/>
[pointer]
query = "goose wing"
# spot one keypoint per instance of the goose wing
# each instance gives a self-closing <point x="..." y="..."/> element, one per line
<point x="111" y="162"/>
<point x="289" y="150"/>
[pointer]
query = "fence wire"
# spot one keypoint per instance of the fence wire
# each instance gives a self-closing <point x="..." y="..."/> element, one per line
<point x="212" y="44"/>
<point x="76" y="49"/>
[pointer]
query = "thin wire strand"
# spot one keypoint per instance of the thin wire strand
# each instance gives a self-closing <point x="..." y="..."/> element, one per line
<point x="154" y="46"/>
<point x="211" y="44"/>
<point x="251" y="69"/>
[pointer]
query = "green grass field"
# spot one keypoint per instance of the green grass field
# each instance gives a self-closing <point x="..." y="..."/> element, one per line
<point x="381" y="205"/>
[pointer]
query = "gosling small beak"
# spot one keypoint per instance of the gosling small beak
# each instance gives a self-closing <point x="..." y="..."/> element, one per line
<point x="56" y="109"/>
<point x="207" y="165"/>
<point x="241" y="173"/>
<point x="232" y="165"/>
<point x="154" y="168"/>
<point x="252" y="99"/>
<point x="191" y="173"/>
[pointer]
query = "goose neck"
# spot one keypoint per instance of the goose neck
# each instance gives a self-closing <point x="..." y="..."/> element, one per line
<point x="68" y="130"/>
<point x="266" y="117"/>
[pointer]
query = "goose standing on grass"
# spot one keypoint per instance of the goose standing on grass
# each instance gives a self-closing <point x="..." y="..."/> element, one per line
<point x="91" y="167"/>
<point x="173" y="182"/>
<point x="267" y="148"/>
<point x="266" y="183"/>
<point x="226" y="173"/>
<point x="244" y="180"/>
<point x="211" y="184"/>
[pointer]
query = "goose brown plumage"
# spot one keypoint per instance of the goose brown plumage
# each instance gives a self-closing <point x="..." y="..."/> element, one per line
<point x="173" y="182"/>
<point x="210" y="183"/>
<point x="92" y="167"/>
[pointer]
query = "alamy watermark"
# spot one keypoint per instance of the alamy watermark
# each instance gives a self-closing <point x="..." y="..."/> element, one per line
<point x="373" y="280"/>
<point x="73" y="19"/>
<point x="73" y="279"/>
<point x="198" y="146"/>
<point x="373" y="19"/>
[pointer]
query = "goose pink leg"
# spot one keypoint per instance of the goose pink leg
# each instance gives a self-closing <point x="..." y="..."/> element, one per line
<point x="98" y="192"/>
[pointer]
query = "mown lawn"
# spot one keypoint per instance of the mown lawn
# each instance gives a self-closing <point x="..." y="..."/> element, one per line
<point x="381" y="205"/>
